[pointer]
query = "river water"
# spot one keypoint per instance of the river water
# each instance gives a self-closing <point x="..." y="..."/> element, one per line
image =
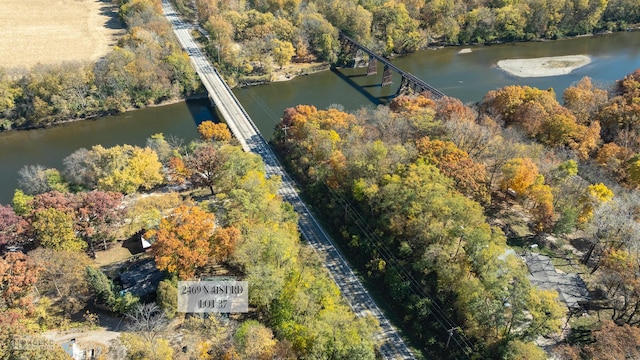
<point x="466" y="76"/>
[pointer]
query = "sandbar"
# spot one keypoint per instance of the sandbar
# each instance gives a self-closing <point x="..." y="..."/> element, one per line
<point x="544" y="66"/>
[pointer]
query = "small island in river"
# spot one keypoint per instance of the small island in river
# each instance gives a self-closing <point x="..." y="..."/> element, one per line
<point x="544" y="66"/>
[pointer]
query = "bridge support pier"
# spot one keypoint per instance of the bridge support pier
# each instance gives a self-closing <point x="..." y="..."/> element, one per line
<point x="387" y="76"/>
<point x="404" y="86"/>
<point x="372" y="69"/>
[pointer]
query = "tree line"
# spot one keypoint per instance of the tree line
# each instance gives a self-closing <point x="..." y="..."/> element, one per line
<point x="239" y="224"/>
<point x="146" y="67"/>
<point x="248" y="39"/>
<point x="408" y="189"/>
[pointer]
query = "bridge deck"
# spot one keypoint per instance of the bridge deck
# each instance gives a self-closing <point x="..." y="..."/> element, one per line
<point x="392" y="346"/>
<point x="437" y="94"/>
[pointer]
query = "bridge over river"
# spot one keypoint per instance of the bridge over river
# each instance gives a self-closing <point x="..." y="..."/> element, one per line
<point x="391" y="344"/>
<point x="409" y="81"/>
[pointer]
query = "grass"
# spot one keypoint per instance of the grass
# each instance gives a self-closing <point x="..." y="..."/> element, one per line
<point x="111" y="256"/>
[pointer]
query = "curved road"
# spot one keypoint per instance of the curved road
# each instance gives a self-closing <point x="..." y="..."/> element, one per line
<point x="391" y="345"/>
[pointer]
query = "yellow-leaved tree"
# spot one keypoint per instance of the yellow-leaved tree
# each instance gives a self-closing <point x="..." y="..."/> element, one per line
<point x="594" y="196"/>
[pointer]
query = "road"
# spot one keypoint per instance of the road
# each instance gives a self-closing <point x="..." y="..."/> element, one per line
<point x="391" y="344"/>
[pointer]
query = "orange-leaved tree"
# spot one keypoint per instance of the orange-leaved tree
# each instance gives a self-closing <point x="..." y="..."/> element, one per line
<point x="519" y="174"/>
<point x="183" y="240"/>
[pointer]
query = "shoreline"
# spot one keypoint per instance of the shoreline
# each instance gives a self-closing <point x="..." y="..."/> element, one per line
<point x="543" y="66"/>
<point x="110" y="113"/>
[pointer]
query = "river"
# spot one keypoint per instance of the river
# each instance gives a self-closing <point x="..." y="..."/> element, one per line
<point x="466" y="76"/>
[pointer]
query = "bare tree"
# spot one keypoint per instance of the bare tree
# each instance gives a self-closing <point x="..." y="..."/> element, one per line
<point x="147" y="320"/>
<point x="77" y="169"/>
<point x="32" y="179"/>
<point x="614" y="227"/>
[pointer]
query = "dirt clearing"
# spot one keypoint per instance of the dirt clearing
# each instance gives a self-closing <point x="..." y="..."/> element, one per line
<point x="55" y="31"/>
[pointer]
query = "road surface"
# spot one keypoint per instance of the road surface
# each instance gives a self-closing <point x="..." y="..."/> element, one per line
<point x="391" y="344"/>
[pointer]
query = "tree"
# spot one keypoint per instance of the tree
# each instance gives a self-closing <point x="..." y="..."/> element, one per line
<point x="78" y="169"/>
<point x="209" y="130"/>
<point x="161" y="146"/>
<point x="139" y="349"/>
<point x="21" y="203"/>
<point x="63" y="277"/>
<point x="594" y="196"/>
<point x="107" y="293"/>
<point x="167" y="296"/>
<point x="18" y="275"/>
<point x="32" y="179"/>
<point x="148" y="321"/>
<point x="55" y="229"/>
<point x="282" y="52"/>
<point x="125" y="168"/>
<point x="584" y="100"/>
<point x="610" y="341"/>
<point x="519" y="174"/>
<point x="255" y="341"/>
<point x="183" y="241"/>
<point x="146" y="212"/>
<point x="613" y="226"/>
<point x="12" y="226"/>
<point x="177" y="172"/>
<point x="469" y="176"/>
<point x="224" y="243"/>
<point x="205" y="165"/>
<point x="98" y="214"/>
<point x="634" y="170"/>
<point x="617" y="275"/>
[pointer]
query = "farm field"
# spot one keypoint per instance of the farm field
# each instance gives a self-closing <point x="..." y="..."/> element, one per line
<point x="55" y="31"/>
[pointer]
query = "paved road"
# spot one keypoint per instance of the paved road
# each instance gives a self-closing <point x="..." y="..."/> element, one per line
<point x="391" y="345"/>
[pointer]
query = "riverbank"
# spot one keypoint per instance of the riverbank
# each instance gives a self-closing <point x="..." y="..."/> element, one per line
<point x="293" y="70"/>
<point x="98" y="116"/>
<point x="544" y="66"/>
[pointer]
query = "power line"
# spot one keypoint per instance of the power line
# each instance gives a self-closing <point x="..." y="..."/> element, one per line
<point x="439" y="314"/>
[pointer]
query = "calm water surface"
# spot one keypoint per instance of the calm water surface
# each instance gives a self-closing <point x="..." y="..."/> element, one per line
<point x="465" y="76"/>
<point x="48" y="147"/>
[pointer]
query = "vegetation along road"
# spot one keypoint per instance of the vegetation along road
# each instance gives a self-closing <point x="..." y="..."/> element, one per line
<point x="392" y="346"/>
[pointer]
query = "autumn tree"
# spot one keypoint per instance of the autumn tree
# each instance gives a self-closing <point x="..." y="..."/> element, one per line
<point x="606" y="341"/>
<point x="205" y="165"/>
<point x="469" y="176"/>
<point x="12" y="226"/>
<point x="125" y="168"/>
<point x="613" y="226"/>
<point x="146" y="212"/>
<point x="176" y="171"/>
<point x="63" y="277"/>
<point x="98" y="213"/>
<point x="594" y="196"/>
<point x="32" y="179"/>
<point x="209" y="130"/>
<point x="78" y="169"/>
<point x="18" y="275"/>
<point x="183" y="240"/>
<point x="519" y="174"/>
<point x="584" y="100"/>
<point x="55" y="229"/>
<point x="161" y="146"/>
<point x="282" y="51"/>
<point x="255" y="341"/>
